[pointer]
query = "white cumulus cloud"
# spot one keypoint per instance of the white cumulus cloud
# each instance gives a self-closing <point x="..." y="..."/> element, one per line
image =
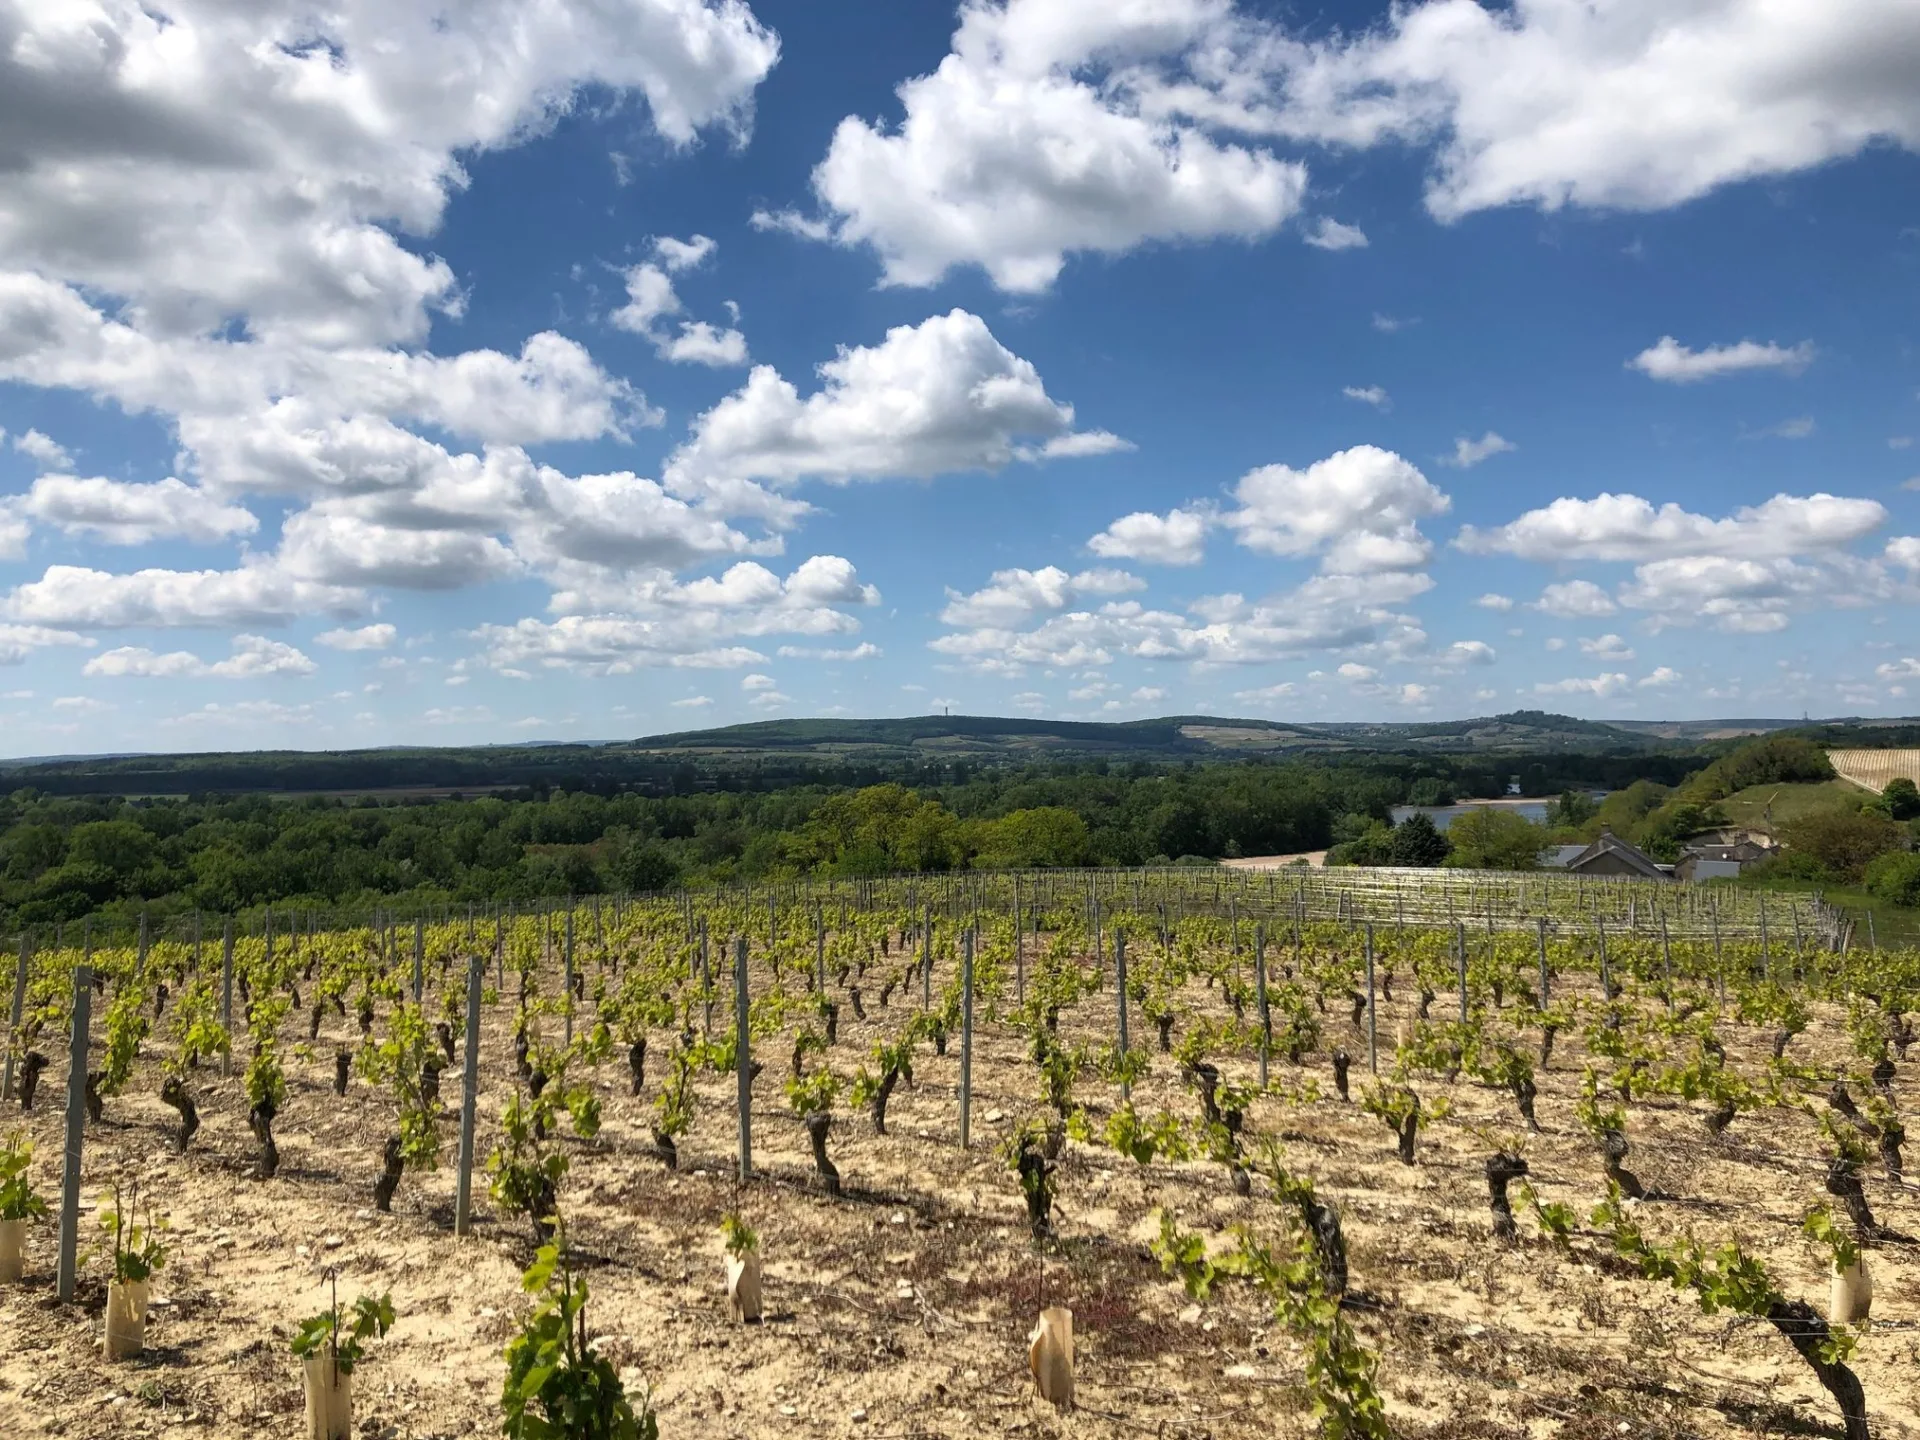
<point x="1359" y="509"/>
<point x="1051" y="130"/>
<point x="1626" y="527"/>
<point x="254" y="656"/>
<point x="1575" y="600"/>
<point x="1177" y="538"/>
<point x="1329" y="234"/>
<point x="1468" y="453"/>
<point x="1667" y="359"/>
<point x="129" y="514"/>
<point x="366" y="637"/>
<point x="932" y="398"/>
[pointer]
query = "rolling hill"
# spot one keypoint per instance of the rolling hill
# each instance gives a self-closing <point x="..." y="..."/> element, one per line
<point x="797" y="751"/>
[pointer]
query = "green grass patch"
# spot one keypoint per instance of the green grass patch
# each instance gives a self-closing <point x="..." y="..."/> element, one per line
<point x="1790" y="802"/>
<point x="1892" y="924"/>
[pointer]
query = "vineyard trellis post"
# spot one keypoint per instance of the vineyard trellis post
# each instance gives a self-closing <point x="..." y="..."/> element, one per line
<point x="226" y="997"/>
<point x="1019" y="950"/>
<point x="76" y="1132"/>
<point x="469" y="1098"/>
<point x="706" y="979"/>
<point x="1766" y="954"/>
<point x="1606" y="980"/>
<point x="1120" y="973"/>
<point x="140" y="958"/>
<point x="926" y="959"/>
<point x="1096" y="936"/>
<point x="1719" y="962"/>
<point x="1666" y="960"/>
<point x="1460" y="949"/>
<point x="819" y="949"/>
<point x="1260" y="997"/>
<point x="966" y="1040"/>
<point x="566" y="999"/>
<point x="1373" y="1019"/>
<point x="14" y="1013"/>
<point x="743" y="1078"/>
<point x="419" y="957"/>
<point x="1544" y="983"/>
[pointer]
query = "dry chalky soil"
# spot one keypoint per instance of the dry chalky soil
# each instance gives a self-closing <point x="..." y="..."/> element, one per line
<point x="902" y="1308"/>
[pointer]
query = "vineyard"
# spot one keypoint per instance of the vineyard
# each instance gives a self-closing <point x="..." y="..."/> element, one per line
<point x="1872" y="769"/>
<point x="1188" y="1153"/>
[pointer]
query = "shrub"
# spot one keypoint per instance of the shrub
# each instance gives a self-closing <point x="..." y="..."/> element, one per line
<point x="1493" y="839"/>
<point x="1895" y="878"/>
<point x="1842" y="842"/>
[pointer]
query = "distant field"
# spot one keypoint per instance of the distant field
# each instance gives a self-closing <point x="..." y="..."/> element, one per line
<point x="1872" y="769"/>
<point x="1788" y="802"/>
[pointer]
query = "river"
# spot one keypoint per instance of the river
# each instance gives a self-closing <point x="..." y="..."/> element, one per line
<point x="1445" y="815"/>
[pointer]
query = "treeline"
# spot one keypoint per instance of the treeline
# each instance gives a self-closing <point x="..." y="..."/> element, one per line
<point x="62" y="857"/>
<point x="1858" y="839"/>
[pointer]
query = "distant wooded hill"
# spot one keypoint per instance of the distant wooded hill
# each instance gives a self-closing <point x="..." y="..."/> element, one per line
<point x="774" y="753"/>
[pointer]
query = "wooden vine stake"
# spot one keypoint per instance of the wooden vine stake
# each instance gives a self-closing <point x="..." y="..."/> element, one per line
<point x="743" y="1075"/>
<point x="966" y="1040"/>
<point x="1260" y="998"/>
<point x="567" y="995"/>
<point x="1460" y="948"/>
<point x="226" y="996"/>
<point x="1019" y="950"/>
<point x="1373" y="1011"/>
<point x="469" y="1099"/>
<point x="76" y="1130"/>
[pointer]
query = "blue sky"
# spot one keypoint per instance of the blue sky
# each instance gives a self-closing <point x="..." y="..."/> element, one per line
<point x="583" y="371"/>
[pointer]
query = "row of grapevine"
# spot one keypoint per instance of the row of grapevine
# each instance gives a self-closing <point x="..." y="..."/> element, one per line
<point x="838" y="998"/>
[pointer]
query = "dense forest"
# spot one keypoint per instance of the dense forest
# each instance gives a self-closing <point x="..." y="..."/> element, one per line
<point x="67" y="856"/>
<point x="64" y="856"/>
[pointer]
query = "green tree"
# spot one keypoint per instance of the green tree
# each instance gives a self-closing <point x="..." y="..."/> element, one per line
<point x="1770" y="760"/>
<point x="1573" y="809"/>
<point x="117" y="845"/>
<point x="1418" y="841"/>
<point x="1048" y="836"/>
<point x="1431" y="790"/>
<point x="646" y="865"/>
<point x="1371" y="846"/>
<point x="878" y="829"/>
<point x="1842" y="842"/>
<point x="1902" y="797"/>
<point x="1491" y="838"/>
<point x="1895" y="878"/>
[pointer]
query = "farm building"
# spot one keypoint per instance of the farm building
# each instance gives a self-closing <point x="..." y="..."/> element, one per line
<point x="1719" y="861"/>
<point x="1609" y="855"/>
